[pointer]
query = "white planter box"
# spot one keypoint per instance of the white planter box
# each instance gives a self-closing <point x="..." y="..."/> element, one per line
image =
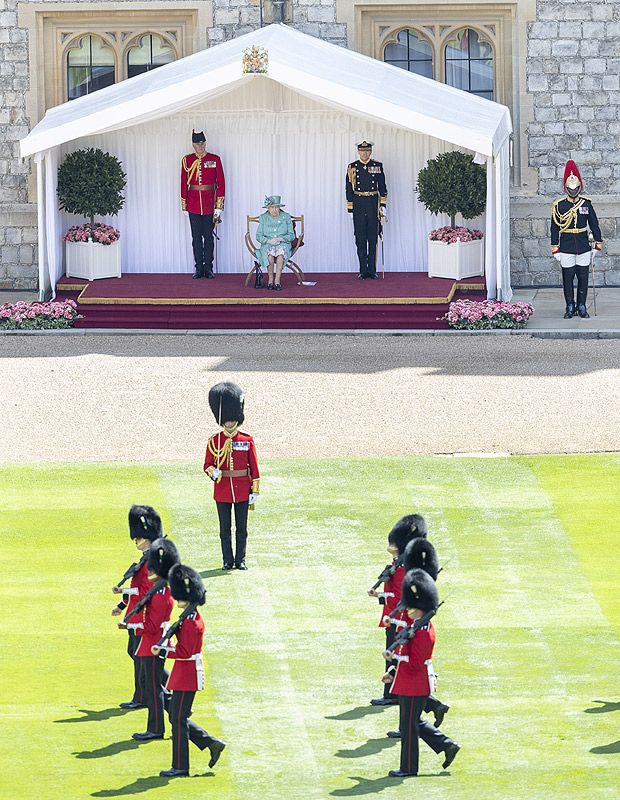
<point x="92" y="260"/>
<point x="456" y="261"/>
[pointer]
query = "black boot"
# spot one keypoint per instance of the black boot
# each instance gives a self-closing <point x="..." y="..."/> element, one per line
<point x="583" y="311"/>
<point x="570" y="311"/>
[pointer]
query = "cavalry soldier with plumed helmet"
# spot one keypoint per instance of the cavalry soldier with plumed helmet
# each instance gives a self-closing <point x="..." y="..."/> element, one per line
<point x="232" y="465"/>
<point x="570" y="218"/>
<point x="202" y="196"/>
<point x="366" y="195"/>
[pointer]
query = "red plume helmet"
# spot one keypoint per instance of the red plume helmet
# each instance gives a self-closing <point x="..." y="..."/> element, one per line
<point x="571" y="176"/>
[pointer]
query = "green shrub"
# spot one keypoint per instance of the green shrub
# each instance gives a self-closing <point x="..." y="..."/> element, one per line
<point x="91" y="183"/>
<point x="452" y="184"/>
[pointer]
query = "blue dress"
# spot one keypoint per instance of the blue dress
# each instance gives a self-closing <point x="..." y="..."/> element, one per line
<point x="280" y="227"/>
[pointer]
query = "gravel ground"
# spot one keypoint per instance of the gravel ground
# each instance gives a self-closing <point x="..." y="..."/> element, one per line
<point x="144" y="398"/>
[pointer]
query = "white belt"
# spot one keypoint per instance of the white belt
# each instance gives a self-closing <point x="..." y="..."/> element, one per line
<point x="385" y="594"/>
<point x="129" y="592"/>
<point x="399" y="658"/>
<point x="195" y="657"/>
<point x="135" y="625"/>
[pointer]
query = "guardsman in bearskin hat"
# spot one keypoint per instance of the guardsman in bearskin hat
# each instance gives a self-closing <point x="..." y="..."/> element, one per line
<point x="187" y="676"/>
<point x="366" y="197"/>
<point x="202" y="196"/>
<point x="570" y="218"/>
<point x="232" y="465"/>
<point x="402" y="532"/>
<point x="413" y="678"/>
<point x="144" y="528"/>
<point x="162" y="556"/>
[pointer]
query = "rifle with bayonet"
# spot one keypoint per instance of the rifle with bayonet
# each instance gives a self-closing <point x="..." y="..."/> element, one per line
<point x="129" y="573"/>
<point x="404" y="635"/>
<point x="387" y="573"/>
<point x="173" y="628"/>
<point x="144" y="601"/>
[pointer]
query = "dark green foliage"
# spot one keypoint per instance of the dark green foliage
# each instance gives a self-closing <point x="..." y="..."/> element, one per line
<point x="452" y="184"/>
<point x="91" y="183"/>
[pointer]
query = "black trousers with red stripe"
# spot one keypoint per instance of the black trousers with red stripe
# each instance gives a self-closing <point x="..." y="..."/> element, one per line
<point x="413" y="728"/>
<point x="224" y="512"/>
<point x="132" y="646"/>
<point x="152" y="677"/>
<point x="185" y="730"/>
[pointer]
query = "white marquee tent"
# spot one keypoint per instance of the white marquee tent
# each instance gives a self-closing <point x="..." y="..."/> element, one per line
<point x="289" y="132"/>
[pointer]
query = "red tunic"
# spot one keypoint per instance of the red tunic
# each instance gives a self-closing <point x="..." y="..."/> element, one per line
<point x="412" y="674"/>
<point x="139" y="586"/>
<point x="196" y="172"/>
<point x="242" y="458"/>
<point x="154" y="617"/>
<point x="188" y="672"/>
<point x="393" y="586"/>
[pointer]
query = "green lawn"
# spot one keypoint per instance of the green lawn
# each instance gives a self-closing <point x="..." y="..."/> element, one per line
<point x="527" y="641"/>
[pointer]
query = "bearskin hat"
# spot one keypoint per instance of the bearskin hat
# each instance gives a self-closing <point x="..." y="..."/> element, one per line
<point x="419" y="591"/>
<point x="186" y="584"/>
<point x="163" y="555"/>
<point x="144" y="523"/>
<point x="420" y="554"/>
<point x="407" y="528"/>
<point x="226" y="401"/>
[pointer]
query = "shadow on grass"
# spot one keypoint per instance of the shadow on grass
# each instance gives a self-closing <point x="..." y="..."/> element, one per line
<point x="91" y="715"/>
<point x="369" y="748"/>
<point x="145" y="785"/>
<point x="606" y="749"/>
<point x="358" y="712"/>
<point x="375" y="785"/>
<point x="604" y="708"/>
<point x="216" y="572"/>
<point x="109" y="750"/>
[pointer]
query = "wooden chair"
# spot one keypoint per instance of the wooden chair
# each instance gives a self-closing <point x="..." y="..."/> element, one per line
<point x="295" y="245"/>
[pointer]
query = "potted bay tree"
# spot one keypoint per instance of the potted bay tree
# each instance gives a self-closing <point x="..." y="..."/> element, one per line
<point x="91" y="183"/>
<point x="452" y="184"/>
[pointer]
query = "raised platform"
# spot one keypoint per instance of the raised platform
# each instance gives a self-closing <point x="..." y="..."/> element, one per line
<point x="402" y="300"/>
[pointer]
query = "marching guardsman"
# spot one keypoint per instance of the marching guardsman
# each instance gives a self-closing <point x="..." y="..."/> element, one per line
<point x="413" y="678"/>
<point x="202" y="196"/>
<point x="366" y="198"/>
<point x="420" y="554"/>
<point x="144" y="528"/>
<point x="232" y="465"/>
<point x="163" y="555"/>
<point x="401" y="534"/>
<point x="570" y="218"/>
<point x="187" y="676"/>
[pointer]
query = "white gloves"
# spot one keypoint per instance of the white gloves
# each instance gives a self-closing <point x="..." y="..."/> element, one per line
<point x="252" y="498"/>
<point x="217" y="214"/>
<point x="277" y="240"/>
<point x="215" y="473"/>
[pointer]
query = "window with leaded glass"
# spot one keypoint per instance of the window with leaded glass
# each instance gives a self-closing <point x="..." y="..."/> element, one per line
<point x="90" y="66"/>
<point x="150" y="52"/>
<point x="412" y="52"/>
<point x="469" y="63"/>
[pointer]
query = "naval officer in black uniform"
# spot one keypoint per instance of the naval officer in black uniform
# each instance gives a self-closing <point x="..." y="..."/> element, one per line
<point x="366" y="193"/>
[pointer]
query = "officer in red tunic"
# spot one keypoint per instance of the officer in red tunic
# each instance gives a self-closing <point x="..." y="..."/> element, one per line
<point x="398" y="538"/>
<point x="413" y="678"/>
<point x="187" y="676"/>
<point x="202" y="196"/>
<point x="570" y="218"/>
<point x="144" y="528"/>
<point x="163" y="555"/>
<point x="232" y="465"/>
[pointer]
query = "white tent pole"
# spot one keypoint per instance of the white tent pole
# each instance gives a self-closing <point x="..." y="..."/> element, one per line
<point x="41" y="226"/>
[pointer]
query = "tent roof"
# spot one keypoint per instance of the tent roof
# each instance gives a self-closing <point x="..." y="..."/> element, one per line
<point x="325" y="72"/>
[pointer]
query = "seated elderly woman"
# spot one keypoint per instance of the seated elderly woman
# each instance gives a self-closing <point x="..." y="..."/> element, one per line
<point x="275" y="234"/>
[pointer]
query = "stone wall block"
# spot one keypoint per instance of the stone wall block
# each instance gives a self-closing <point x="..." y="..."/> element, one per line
<point x="321" y="14"/>
<point x="569" y="30"/>
<point x="593" y="30"/>
<point x="589" y="47"/>
<point x="25" y="254"/>
<point x="543" y="30"/>
<point x="539" y="48"/>
<point x="594" y="65"/>
<point x="611" y="82"/>
<point x="539" y="83"/>
<point x="565" y="47"/>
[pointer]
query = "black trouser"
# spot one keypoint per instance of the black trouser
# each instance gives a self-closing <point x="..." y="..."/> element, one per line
<point x="224" y="512"/>
<point x="366" y="229"/>
<point x="413" y="728"/>
<point x="153" y="679"/>
<point x="568" y="278"/>
<point x="183" y="729"/>
<point x="132" y="645"/>
<point x="202" y="242"/>
<point x="390" y="633"/>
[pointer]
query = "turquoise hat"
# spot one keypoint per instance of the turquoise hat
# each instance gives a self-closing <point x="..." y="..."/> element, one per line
<point x="273" y="200"/>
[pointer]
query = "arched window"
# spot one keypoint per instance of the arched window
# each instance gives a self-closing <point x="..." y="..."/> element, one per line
<point x="469" y="63"/>
<point x="90" y="66"/>
<point x="412" y="52"/>
<point x="150" y="52"/>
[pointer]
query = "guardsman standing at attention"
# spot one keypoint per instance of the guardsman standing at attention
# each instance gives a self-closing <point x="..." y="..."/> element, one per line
<point x="231" y="463"/>
<point x="366" y="195"/>
<point x="570" y="218"/>
<point x="202" y="196"/>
